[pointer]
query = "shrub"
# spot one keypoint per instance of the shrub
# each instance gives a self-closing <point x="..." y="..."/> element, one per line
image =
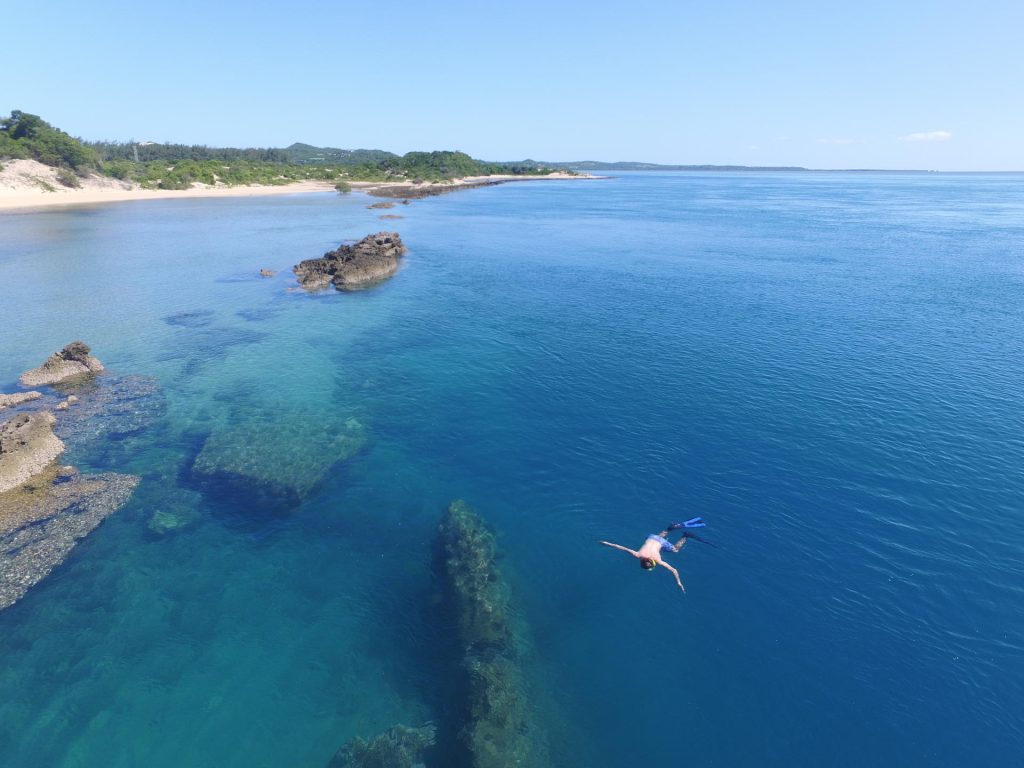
<point x="343" y="186"/>
<point x="68" y="178"/>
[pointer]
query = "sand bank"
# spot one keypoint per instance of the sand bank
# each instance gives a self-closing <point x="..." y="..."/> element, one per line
<point x="26" y="184"/>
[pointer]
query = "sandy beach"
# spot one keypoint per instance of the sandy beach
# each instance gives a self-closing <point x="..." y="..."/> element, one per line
<point x="27" y="184"/>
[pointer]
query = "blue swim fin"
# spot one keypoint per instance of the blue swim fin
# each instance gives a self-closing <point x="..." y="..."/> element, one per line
<point x="695" y="522"/>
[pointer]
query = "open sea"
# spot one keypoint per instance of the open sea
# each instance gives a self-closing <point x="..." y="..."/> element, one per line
<point x="828" y="367"/>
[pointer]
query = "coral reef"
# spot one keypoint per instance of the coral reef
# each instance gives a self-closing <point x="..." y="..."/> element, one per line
<point x="372" y="259"/>
<point x="74" y="360"/>
<point x="397" y="747"/>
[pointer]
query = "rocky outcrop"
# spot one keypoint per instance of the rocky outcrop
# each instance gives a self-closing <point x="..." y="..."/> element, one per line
<point x="397" y="747"/>
<point x="407" y="192"/>
<point x="43" y="519"/>
<point x="498" y="730"/>
<point x="372" y="259"/>
<point x="8" y="401"/>
<point x="74" y="360"/>
<point x="27" y="446"/>
<point x="278" y="459"/>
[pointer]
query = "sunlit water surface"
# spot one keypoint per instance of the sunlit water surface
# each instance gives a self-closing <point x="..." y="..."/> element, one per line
<point x="826" y="366"/>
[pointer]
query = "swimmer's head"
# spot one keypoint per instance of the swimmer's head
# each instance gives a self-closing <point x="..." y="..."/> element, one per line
<point x="648" y="563"/>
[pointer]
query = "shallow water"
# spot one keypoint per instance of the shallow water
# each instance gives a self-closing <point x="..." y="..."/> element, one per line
<point x="826" y="366"/>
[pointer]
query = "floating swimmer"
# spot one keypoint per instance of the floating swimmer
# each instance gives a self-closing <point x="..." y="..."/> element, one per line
<point x="650" y="553"/>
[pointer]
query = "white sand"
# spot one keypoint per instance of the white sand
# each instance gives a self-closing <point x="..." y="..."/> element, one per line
<point x="30" y="184"/>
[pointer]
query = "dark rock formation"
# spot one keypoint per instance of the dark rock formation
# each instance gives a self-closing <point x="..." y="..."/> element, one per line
<point x="27" y="446"/>
<point x="74" y="360"/>
<point x="372" y="259"/>
<point x="397" y="747"/>
<point x="381" y="205"/>
<point x="8" y="401"/>
<point x="278" y="459"/>
<point x="43" y="519"/>
<point x="407" y="192"/>
<point x="498" y="731"/>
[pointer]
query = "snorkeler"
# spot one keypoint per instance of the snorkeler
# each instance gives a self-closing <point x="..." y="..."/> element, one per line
<point x="650" y="552"/>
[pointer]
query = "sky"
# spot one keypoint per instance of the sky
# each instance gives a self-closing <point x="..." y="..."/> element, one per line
<point x="903" y="84"/>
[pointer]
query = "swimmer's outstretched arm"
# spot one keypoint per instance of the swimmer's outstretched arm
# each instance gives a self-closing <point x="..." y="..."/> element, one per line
<point x="619" y="546"/>
<point x="674" y="573"/>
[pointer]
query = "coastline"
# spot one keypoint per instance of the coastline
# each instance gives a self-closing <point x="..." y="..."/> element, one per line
<point x="29" y="195"/>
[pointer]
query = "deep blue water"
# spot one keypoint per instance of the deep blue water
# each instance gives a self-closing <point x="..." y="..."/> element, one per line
<point x="828" y="367"/>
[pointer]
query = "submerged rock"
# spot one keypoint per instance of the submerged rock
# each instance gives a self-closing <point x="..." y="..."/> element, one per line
<point x="111" y="407"/>
<point x="27" y="446"/>
<point x="498" y="730"/>
<point x="278" y="459"/>
<point x="42" y="520"/>
<point x="372" y="259"/>
<point x="9" y="401"/>
<point x="397" y="747"/>
<point x="74" y="360"/>
<point x="267" y="272"/>
<point x="178" y="518"/>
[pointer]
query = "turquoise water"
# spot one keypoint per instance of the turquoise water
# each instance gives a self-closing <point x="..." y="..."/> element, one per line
<point x="827" y="366"/>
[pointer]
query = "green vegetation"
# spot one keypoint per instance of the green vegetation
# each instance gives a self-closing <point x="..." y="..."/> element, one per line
<point x="179" y="166"/>
<point x="29" y="136"/>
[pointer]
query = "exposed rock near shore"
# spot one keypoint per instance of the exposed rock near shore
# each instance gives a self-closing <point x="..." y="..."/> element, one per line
<point x="498" y="730"/>
<point x="397" y="747"/>
<point x="43" y="519"/>
<point x="74" y="360"/>
<point x="372" y="259"/>
<point x="407" y="192"/>
<point x="27" y="446"/>
<point x="277" y="460"/>
<point x="7" y="401"/>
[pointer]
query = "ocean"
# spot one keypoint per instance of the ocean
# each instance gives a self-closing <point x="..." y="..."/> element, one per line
<point x="827" y="366"/>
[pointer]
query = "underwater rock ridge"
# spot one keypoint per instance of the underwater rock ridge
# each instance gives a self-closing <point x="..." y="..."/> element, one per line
<point x="398" y="747"/>
<point x="492" y="722"/>
<point x="372" y="259"/>
<point x="499" y="730"/>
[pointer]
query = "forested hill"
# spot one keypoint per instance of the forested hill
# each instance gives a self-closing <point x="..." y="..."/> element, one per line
<point x="306" y="154"/>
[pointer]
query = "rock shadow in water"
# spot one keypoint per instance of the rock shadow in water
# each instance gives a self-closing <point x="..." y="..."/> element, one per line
<point x="196" y="318"/>
<point x="259" y="314"/>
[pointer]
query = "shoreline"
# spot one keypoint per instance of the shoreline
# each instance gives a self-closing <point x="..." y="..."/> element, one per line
<point x="29" y="197"/>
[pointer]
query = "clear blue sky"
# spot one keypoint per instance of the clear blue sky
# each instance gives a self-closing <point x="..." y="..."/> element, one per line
<point x="882" y="84"/>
